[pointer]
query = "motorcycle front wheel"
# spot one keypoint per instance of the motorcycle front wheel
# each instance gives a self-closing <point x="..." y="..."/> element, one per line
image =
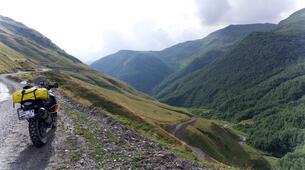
<point x="38" y="132"/>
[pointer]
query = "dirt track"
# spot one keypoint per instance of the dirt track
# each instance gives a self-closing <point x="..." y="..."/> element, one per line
<point x="16" y="149"/>
<point x="179" y="130"/>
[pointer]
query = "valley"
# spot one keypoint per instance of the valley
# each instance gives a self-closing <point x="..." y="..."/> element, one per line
<point x="251" y="76"/>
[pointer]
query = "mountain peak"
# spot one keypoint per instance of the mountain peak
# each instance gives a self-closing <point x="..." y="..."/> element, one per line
<point x="294" y="24"/>
<point x="241" y="29"/>
<point x="298" y="13"/>
<point x="5" y="18"/>
<point x="125" y="52"/>
<point x="32" y="46"/>
<point x="10" y="21"/>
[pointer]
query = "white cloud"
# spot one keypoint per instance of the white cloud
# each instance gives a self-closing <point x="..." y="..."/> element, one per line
<point x="245" y="11"/>
<point x="94" y="28"/>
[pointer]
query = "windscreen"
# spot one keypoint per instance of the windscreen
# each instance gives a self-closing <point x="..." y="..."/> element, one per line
<point x="41" y="81"/>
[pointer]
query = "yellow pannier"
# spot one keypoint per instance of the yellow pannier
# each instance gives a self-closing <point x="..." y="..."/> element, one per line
<point x="30" y="94"/>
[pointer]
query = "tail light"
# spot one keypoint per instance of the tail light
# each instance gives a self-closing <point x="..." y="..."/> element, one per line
<point x="55" y="108"/>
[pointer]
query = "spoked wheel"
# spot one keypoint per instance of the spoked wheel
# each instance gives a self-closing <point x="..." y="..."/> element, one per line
<point x="38" y="132"/>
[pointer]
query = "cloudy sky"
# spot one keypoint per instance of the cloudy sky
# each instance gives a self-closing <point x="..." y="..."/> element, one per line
<point x="90" y="29"/>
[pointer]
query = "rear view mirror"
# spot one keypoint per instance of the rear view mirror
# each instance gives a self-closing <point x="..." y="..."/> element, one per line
<point x="24" y="83"/>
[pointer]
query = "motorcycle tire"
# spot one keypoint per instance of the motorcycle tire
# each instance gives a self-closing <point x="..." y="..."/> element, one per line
<point x="38" y="132"/>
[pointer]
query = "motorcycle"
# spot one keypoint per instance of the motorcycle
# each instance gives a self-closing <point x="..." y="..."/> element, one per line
<point x="39" y="107"/>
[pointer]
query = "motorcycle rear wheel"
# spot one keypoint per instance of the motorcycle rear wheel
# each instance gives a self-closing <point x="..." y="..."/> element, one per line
<point x="38" y="132"/>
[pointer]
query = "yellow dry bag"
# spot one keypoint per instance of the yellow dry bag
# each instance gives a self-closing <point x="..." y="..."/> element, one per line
<point x="33" y="93"/>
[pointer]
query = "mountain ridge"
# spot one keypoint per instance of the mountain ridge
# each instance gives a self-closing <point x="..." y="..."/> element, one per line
<point x="175" y="58"/>
<point x="32" y="47"/>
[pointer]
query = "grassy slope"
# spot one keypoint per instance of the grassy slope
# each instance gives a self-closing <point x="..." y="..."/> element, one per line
<point x="11" y="61"/>
<point x="27" y="48"/>
<point x="223" y="145"/>
<point x="142" y="70"/>
<point x="124" y="104"/>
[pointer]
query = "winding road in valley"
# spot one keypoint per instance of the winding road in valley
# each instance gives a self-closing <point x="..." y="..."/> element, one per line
<point x="179" y="130"/>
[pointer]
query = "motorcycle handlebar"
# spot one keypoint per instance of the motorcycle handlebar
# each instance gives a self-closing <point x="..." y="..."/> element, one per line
<point x="53" y="86"/>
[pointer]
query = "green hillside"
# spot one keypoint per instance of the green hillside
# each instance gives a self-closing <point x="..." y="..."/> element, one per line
<point x="142" y="70"/>
<point x="294" y="24"/>
<point x="261" y="79"/>
<point x="22" y="48"/>
<point x="149" y="71"/>
<point x="181" y="55"/>
<point x="224" y="144"/>
<point x="11" y="60"/>
<point x="294" y="160"/>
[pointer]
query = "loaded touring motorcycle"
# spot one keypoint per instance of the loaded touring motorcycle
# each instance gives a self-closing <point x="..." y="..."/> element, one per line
<point x="39" y="107"/>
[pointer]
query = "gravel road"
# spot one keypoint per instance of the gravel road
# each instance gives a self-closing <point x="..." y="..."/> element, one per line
<point x="16" y="150"/>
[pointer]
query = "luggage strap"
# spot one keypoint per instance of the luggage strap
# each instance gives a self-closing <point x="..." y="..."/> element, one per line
<point x="23" y="93"/>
